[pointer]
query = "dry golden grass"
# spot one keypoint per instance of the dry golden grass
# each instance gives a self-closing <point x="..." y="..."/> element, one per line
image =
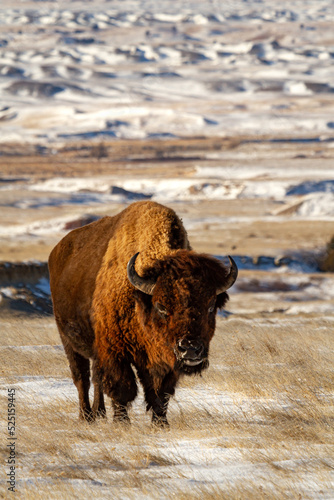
<point x="257" y="425"/>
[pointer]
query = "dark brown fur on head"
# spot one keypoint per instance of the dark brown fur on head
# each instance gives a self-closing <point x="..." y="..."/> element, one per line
<point x="184" y="303"/>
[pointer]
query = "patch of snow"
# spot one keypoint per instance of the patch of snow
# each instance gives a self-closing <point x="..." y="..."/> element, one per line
<point x="56" y="61"/>
<point x="317" y="205"/>
<point x="296" y="88"/>
<point x="311" y="308"/>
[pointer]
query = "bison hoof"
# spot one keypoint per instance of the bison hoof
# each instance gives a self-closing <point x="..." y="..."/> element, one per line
<point x="121" y="413"/>
<point x="122" y="419"/>
<point x="88" y="416"/>
<point x="160" y="422"/>
<point x="100" y="414"/>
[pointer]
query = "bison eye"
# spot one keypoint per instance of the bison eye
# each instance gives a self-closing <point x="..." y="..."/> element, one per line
<point x="212" y="307"/>
<point x="161" y="310"/>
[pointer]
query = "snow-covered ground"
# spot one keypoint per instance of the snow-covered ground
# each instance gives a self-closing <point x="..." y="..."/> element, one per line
<point x="257" y="424"/>
<point x="138" y="69"/>
<point x="318" y="201"/>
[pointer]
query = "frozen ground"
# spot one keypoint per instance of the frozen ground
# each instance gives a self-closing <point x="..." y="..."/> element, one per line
<point x="256" y="425"/>
<point x="141" y="69"/>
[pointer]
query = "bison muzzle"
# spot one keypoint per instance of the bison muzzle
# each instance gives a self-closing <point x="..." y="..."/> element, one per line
<point x="131" y="296"/>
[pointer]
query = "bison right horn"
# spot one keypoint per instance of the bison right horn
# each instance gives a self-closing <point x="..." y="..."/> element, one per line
<point x="230" y="278"/>
<point x="146" y="286"/>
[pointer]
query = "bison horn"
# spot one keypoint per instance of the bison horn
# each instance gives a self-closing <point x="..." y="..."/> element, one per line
<point x="146" y="286"/>
<point x="230" y="278"/>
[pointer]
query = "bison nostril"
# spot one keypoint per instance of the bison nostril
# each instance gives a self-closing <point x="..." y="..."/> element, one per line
<point x="199" y="349"/>
<point x="182" y="348"/>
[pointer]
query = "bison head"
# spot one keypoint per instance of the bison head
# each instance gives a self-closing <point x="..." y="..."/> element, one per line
<point x="178" y="298"/>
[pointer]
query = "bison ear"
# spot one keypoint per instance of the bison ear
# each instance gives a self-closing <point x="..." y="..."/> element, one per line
<point x="221" y="300"/>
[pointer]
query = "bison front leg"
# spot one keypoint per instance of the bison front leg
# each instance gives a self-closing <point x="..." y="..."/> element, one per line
<point x="79" y="366"/>
<point x="119" y="383"/>
<point x="167" y="389"/>
<point x="159" y="413"/>
<point x="158" y="399"/>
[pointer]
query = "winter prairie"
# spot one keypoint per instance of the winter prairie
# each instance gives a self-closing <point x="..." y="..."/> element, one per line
<point x="258" y="424"/>
<point x="224" y="112"/>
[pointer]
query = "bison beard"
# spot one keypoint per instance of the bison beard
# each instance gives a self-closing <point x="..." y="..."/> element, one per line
<point x="130" y="294"/>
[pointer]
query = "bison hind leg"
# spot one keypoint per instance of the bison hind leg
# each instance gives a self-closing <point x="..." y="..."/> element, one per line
<point x="98" y="408"/>
<point x="80" y="369"/>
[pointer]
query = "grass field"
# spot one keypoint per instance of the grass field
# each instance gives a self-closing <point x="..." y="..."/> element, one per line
<point x="257" y="424"/>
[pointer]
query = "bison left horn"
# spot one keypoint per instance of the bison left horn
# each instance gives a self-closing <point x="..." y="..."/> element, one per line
<point x="230" y="278"/>
<point x="146" y="286"/>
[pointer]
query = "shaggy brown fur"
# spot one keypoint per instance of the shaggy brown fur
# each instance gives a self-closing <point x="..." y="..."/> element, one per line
<point x="101" y="316"/>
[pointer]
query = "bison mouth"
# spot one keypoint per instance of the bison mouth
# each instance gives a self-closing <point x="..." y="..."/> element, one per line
<point x="191" y="356"/>
<point x="194" y="362"/>
<point x="191" y="367"/>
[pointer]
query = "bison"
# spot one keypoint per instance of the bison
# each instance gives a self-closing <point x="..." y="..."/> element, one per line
<point x="131" y="295"/>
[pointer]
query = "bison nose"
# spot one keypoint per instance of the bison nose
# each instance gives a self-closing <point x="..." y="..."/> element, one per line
<point x="190" y="349"/>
